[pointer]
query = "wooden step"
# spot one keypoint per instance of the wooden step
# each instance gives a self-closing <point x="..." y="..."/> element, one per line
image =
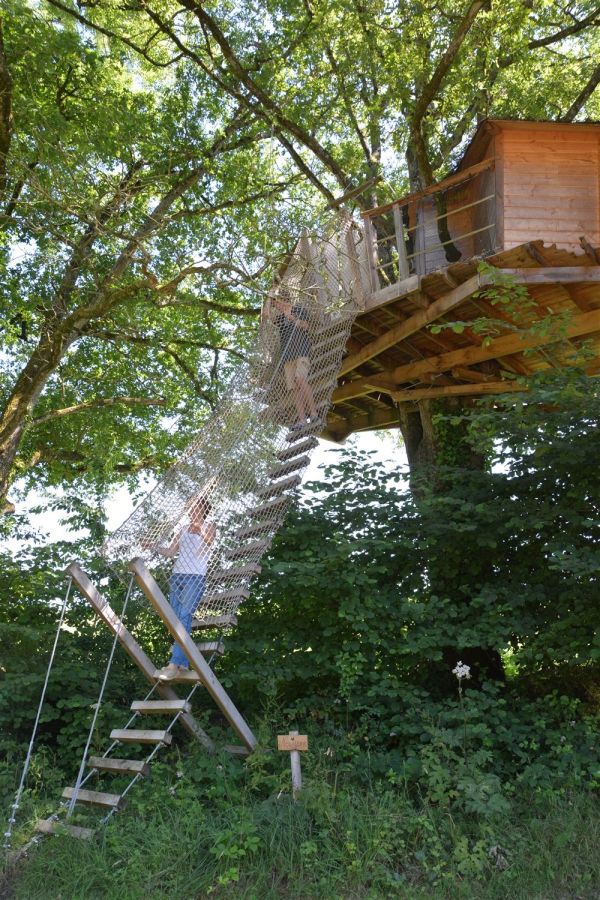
<point x="256" y="548"/>
<point x="328" y="350"/>
<point x="324" y="374"/>
<point x="214" y="622"/>
<point x="141" y="736"/>
<point x="292" y="466"/>
<point x="55" y="826"/>
<point x="309" y="444"/>
<point x="237" y="595"/>
<point x="333" y="334"/>
<point x="278" y="504"/>
<point x="184" y="676"/>
<point x="253" y="530"/>
<point x="293" y="437"/>
<point x="210" y="647"/>
<point x="238" y="572"/>
<point x="236" y="750"/>
<point x="95" y="798"/>
<point x="278" y="487"/>
<point x="122" y="766"/>
<point x="148" y="707"/>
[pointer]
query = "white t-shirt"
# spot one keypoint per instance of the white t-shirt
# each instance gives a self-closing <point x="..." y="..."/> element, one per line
<point x="193" y="554"/>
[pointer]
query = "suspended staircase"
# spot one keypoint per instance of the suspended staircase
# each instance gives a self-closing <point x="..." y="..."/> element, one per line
<point x="247" y="464"/>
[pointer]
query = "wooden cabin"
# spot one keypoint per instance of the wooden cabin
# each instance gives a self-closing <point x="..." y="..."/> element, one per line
<point x="525" y="198"/>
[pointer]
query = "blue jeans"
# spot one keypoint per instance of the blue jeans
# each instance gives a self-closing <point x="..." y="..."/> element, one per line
<point x="185" y="593"/>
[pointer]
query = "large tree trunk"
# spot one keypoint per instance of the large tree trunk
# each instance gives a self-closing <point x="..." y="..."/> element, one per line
<point x="29" y="385"/>
<point x="457" y="574"/>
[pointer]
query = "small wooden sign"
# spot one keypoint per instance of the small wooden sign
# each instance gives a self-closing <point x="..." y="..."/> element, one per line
<point x="292" y="742"/>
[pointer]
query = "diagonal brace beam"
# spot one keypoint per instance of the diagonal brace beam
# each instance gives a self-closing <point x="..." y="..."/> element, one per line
<point x="132" y="648"/>
<point x="214" y="687"/>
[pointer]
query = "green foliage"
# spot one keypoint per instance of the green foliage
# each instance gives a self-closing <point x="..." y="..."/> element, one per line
<point x="217" y="827"/>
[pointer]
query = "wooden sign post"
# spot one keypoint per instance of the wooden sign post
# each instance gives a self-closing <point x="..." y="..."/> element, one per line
<point x="294" y="743"/>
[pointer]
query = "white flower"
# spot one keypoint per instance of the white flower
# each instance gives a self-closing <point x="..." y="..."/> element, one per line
<point x="179" y="773"/>
<point x="461" y="670"/>
<point x="172" y="790"/>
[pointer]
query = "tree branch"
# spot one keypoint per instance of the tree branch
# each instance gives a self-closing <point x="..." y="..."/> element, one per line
<point x="445" y="63"/>
<point x="583" y="96"/>
<point x="5" y="113"/>
<point x="98" y="404"/>
<point x="578" y="25"/>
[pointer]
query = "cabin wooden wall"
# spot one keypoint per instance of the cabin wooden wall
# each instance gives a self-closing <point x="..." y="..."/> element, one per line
<point x="549" y="184"/>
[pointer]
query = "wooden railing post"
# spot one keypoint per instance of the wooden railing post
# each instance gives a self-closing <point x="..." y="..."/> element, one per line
<point x="403" y="269"/>
<point x="372" y="254"/>
<point x="420" y="259"/>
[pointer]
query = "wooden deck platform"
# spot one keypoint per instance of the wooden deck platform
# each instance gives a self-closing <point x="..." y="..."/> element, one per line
<point x="525" y="198"/>
<point x="394" y="356"/>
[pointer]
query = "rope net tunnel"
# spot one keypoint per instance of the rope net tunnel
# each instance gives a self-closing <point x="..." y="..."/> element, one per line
<point x="204" y="527"/>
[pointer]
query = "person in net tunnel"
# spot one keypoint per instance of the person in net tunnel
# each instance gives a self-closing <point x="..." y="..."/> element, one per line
<point x="191" y="549"/>
<point x="292" y="322"/>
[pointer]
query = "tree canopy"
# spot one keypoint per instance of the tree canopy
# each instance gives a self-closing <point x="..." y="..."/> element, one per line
<point x="156" y="159"/>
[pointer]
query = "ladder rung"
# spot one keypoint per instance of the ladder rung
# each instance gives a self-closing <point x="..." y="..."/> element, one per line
<point x="238" y="572"/>
<point x="279" y="487"/>
<point x="256" y="548"/>
<point x="253" y="530"/>
<point x="210" y="647"/>
<point x="287" y="467"/>
<point x="309" y="444"/>
<point x="214" y="621"/>
<point x="160" y="706"/>
<point x="141" y="736"/>
<point x="126" y="766"/>
<point x="96" y="798"/>
<point x="270" y="506"/>
<point x="55" y="826"/>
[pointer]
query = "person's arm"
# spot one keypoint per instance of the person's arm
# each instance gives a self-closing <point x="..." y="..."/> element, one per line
<point x="300" y="320"/>
<point x="169" y="552"/>
<point x="209" y="532"/>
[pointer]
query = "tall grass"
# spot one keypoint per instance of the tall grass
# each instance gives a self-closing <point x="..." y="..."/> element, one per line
<point x="219" y="828"/>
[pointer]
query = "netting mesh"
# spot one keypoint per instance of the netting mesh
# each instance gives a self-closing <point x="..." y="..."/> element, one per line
<point x="203" y="529"/>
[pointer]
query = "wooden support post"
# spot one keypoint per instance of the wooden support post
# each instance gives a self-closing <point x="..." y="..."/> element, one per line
<point x="403" y="270"/>
<point x="132" y="648"/>
<point x="294" y="743"/>
<point x="420" y="260"/>
<point x="358" y="292"/>
<point x="372" y="254"/>
<point x="208" y="678"/>
<point x="308" y="254"/>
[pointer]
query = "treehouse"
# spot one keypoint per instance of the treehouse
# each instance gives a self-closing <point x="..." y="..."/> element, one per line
<point x="434" y="322"/>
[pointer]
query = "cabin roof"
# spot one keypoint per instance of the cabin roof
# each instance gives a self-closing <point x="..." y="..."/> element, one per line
<point x="487" y="128"/>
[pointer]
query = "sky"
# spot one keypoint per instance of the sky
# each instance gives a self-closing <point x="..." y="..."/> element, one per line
<point x="384" y="446"/>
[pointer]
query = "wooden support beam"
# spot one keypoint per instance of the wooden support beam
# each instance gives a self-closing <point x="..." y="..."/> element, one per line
<point x="210" y="681"/>
<point x="582" y="324"/>
<point x="457" y="390"/>
<point x="592" y="252"/>
<point x="132" y="648"/>
<point x="383" y="418"/>
<point x="413" y="324"/>
<point x="554" y="274"/>
<point x="406" y="288"/>
<point x="463" y="373"/>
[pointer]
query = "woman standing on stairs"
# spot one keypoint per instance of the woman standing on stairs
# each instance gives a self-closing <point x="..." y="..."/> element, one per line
<point x="192" y="547"/>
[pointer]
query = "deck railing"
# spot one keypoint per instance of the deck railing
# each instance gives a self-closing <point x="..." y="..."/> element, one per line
<point x="450" y="221"/>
